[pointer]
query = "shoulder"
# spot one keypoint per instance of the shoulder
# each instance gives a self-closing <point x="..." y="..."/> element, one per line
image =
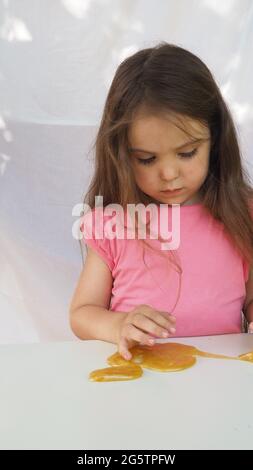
<point x="98" y="231"/>
<point x="92" y="234"/>
<point x="93" y="221"/>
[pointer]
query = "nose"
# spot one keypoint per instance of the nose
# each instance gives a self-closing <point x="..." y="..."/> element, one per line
<point x="168" y="172"/>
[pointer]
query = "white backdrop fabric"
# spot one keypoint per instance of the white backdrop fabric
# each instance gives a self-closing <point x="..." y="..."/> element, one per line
<point x="57" y="60"/>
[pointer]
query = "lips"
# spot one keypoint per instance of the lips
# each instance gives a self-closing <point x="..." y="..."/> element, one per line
<point x="171" y="190"/>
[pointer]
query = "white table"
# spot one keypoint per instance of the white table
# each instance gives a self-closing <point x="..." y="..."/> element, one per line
<point x="47" y="402"/>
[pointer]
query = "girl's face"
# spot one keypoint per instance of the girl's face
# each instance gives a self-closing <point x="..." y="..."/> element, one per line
<point x="164" y="157"/>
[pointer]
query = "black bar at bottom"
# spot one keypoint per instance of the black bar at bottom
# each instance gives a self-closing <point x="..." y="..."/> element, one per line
<point x="112" y="458"/>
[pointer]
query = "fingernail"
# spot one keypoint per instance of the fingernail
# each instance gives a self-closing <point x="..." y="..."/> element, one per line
<point x="173" y="330"/>
<point x="151" y="341"/>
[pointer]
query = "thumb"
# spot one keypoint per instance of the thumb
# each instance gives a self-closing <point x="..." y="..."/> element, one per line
<point x="123" y="349"/>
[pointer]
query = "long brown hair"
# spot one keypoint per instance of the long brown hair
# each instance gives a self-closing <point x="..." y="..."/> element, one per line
<point x="167" y="78"/>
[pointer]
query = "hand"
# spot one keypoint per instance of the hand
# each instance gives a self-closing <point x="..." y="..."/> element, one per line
<point x="141" y="325"/>
<point x="250" y="327"/>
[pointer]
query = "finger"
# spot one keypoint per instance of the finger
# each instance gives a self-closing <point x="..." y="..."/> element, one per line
<point x="123" y="349"/>
<point x="162" y="319"/>
<point x="160" y="312"/>
<point x="168" y="316"/>
<point x="167" y="320"/>
<point x="131" y="332"/>
<point x="147" y="325"/>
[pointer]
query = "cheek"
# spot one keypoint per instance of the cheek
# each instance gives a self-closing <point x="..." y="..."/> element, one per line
<point x="204" y="168"/>
<point x="143" y="176"/>
<point x="204" y="161"/>
<point x="197" y="169"/>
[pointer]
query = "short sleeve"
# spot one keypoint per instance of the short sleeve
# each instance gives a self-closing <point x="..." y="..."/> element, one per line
<point x="91" y="226"/>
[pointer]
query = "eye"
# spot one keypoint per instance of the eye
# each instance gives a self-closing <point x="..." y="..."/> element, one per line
<point x="188" y="154"/>
<point x="146" y="161"/>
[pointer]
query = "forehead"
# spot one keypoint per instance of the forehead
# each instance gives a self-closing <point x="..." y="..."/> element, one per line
<point x="148" y="128"/>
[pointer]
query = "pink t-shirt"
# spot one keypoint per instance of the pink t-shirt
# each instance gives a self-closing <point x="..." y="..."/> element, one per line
<point x="212" y="280"/>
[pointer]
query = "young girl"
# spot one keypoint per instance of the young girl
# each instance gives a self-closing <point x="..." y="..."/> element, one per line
<point x="166" y="137"/>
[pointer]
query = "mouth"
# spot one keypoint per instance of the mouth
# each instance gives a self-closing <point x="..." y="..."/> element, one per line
<point x="171" y="192"/>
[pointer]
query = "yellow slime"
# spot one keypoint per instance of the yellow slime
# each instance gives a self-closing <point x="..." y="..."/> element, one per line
<point x="162" y="357"/>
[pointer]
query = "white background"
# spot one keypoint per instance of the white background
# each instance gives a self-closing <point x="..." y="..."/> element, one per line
<point x="57" y="60"/>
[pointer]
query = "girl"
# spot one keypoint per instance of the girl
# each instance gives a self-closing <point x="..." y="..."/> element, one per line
<point x="166" y="137"/>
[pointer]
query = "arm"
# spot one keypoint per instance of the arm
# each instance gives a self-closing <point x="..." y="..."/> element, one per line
<point x="90" y="317"/>
<point x="248" y="304"/>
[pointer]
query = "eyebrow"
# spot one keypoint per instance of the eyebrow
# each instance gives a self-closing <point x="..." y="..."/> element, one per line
<point x="134" y="149"/>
